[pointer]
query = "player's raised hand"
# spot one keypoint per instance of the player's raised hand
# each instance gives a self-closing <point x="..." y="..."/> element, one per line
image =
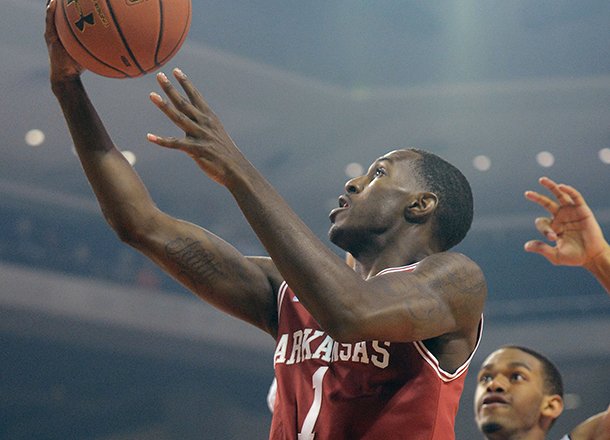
<point x="573" y="228"/>
<point x="62" y="65"/>
<point x="206" y="140"/>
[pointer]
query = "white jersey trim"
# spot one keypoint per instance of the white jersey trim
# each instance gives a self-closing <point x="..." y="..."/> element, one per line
<point x="408" y="267"/>
<point x="433" y="361"/>
<point x="280" y="297"/>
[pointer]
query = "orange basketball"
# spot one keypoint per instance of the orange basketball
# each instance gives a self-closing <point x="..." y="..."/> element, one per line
<point x="122" y="38"/>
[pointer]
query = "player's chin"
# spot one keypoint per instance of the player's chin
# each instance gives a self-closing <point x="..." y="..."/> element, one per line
<point x="490" y="427"/>
<point x="336" y="235"/>
<point x="332" y="233"/>
<point x="488" y="423"/>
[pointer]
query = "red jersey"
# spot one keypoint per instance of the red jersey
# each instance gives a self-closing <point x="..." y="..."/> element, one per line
<point x="372" y="390"/>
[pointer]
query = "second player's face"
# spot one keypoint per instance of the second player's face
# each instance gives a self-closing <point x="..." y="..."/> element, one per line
<point x="510" y="393"/>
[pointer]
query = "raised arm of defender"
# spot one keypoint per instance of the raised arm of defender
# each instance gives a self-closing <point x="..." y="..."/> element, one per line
<point x="572" y="227"/>
<point x="207" y="265"/>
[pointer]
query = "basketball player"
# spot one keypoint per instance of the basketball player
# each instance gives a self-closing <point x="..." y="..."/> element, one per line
<point x="376" y="353"/>
<point x="519" y="395"/>
<point x="578" y="238"/>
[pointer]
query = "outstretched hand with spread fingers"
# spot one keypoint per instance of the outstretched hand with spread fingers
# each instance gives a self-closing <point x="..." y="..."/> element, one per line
<point x="205" y="140"/>
<point x="572" y="226"/>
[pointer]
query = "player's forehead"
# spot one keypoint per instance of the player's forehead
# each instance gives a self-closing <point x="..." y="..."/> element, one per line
<point x="397" y="158"/>
<point x="511" y="357"/>
<point x="399" y="155"/>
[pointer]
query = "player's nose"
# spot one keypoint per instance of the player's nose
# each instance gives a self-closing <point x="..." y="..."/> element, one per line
<point x="355" y="185"/>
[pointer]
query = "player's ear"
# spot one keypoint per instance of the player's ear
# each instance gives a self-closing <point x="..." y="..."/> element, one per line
<point x="552" y="406"/>
<point x="420" y="206"/>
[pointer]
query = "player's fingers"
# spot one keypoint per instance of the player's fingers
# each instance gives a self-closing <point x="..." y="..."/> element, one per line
<point x="547" y="182"/>
<point x="50" y="32"/>
<point x="197" y="150"/>
<point x="180" y="102"/>
<point x="177" y="117"/>
<point x="562" y="197"/>
<point x="542" y="200"/>
<point x="192" y="92"/>
<point x="574" y="194"/>
<point x="543" y="225"/>
<point x="174" y="143"/>
<point x="539" y="247"/>
<point x="167" y="142"/>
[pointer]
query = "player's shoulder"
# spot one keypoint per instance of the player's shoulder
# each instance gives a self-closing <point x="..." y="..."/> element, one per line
<point x="461" y="277"/>
<point x="451" y="261"/>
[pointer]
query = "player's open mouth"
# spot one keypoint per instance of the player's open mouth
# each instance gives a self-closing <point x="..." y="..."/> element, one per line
<point x="494" y="399"/>
<point x="343" y="205"/>
<point x="343" y="202"/>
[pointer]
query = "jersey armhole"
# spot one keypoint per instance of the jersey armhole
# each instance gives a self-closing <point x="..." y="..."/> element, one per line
<point x="433" y="361"/>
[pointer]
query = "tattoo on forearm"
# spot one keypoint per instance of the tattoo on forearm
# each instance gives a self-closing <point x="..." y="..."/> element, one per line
<point x="196" y="263"/>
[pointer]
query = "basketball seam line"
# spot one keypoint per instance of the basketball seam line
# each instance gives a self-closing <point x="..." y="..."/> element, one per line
<point x="127" y="48"/>
<point x="160" y="37"/>
<point x="180" y="40"/>
<point x="67" y="20"/>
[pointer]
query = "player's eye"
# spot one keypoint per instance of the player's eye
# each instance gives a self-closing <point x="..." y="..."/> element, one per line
<point x="517" y="377"/>
<point x="380" y="171"/>
<point x="485" y="378"/>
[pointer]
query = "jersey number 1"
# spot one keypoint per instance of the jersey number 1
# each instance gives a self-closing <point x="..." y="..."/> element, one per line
<point x="314" y="411"/>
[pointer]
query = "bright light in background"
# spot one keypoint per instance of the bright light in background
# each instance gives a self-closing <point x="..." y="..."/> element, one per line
<point x="354" y="169"/>
<point x="604" y="155"/>
<point x="34" y="137"/>
<point x="128" y="155"/>
<point x="131" y="158"/>
<point x="482" y="163"/>
<point x="545" y="159"/>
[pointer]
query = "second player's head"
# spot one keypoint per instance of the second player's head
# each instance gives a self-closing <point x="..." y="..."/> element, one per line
<point x="519" y="394"/>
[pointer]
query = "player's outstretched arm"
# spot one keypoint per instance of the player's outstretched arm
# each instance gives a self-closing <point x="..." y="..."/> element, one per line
<point x="207" y="265"/>
<point x="572" y="226"/>
<point x="596" y="427"/>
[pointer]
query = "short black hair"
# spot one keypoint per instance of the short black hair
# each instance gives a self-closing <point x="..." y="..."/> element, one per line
<point x="553" y="384"/>
<point x="455" y="202"/>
